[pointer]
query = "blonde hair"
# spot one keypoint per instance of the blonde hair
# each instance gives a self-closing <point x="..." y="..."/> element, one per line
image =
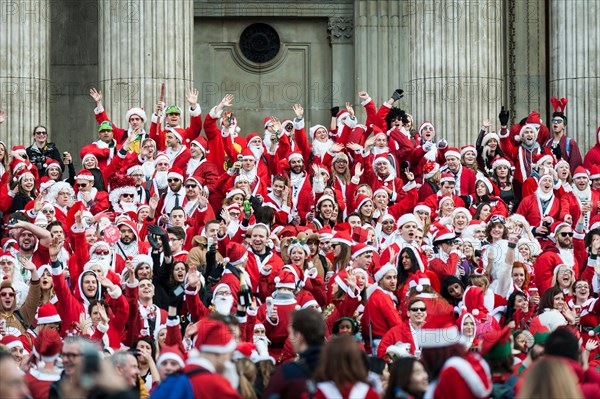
<point x="247" y="373"/>
<point x="550" y="378"/>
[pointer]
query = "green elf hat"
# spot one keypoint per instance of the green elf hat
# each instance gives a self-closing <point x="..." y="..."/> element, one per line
<point x="496" y="344"/>
<point x="106" y="125"/>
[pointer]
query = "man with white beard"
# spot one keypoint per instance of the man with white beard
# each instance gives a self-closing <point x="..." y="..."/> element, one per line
<point x="581" y="200"/>
<point x="123" y="194"/>
<point x="222" y="299"/>
<point x="158" y="184"/>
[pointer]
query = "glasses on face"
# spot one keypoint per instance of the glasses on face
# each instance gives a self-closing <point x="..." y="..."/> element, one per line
<point x="41" y="133"/>
<point x="137" y="175"/>
<point x="423" y="309"/>
<point x="47" y="211"/>
<point x="70" y="355"/>
<point x="557" y="121"/>
<point x="191" y="185"/>
<point x="561" y="272"/>
<point x="582" y="287"/>
<point x="127" y="195"/>
<point x="565" y="234"/>
<point x="81" y="185"/>
<point x="8" y="294"/>
<point x="172" y="180"/>
<point x="102" y="252"/>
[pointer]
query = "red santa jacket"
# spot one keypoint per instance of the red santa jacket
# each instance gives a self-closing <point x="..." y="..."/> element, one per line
<point x="544" y="268"/>
<point x="380" y="315"/>
<point x="158" y="134"/>
<point x="400" y="333"/>
<point x="463" y="377"/>
<point x="531" y="208"/>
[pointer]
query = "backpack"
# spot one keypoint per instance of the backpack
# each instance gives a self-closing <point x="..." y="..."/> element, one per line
<point x="177" y="385"/>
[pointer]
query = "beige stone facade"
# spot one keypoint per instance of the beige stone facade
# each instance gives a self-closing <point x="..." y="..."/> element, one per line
<point x="457" y="60"/>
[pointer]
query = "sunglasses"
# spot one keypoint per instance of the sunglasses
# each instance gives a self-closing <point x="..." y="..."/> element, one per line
<point x="566" y="234"/>
<point x="47" y="210"/>
<point x="101" y="252"/>
<point x="8" y="294"/>
<point x="191" y="185"/>
<point x="81" y="185"/>
<point x="498" y="219"/>
<point x="418" y="309"/>
<point x="41" y="133"/>
<point x="128" y="195"/>
<point x="172" y="180"/>
<point x="557" y="120"/>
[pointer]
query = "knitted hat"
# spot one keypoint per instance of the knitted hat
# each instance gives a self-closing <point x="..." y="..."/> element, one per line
<point x="47" y="314"/>
<point x="47" y="345"/>
<point x="136" y="111"/>
<point x="214" y="336"/>
<point x="236" y="254"/>
<point x="168" y="352"/>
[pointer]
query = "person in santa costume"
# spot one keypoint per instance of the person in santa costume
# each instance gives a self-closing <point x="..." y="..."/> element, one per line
<point x="267" y="261"/>
<point x="202" y="376"/>
<point x="447" y="184"/>
<point x="380" y="312"/>
<point x="302" y="196"/>
<point x="199" y="165"/>
<point x="454" y="372"/>
<point x="175" y="195"/>
<point x="523" y="154"/>
<point x="103" y="149"/>
<point x="94" y="200"/>
<point x="158" y="184"/>
<point x="405" y="332"/>
<point x="562" y="146"/>
<point x="464" y="178"/>
<point x="542" y="163"/>
<point x="592" y="157"/>
<point x="542" y="208"/>
<point x="45" y="351"/>
<point x="136" y="118"/>
<point x="448" y="261"/>
<point x="172" y="121"/>
<point x="178" y="154"/>
<point x="581" y="200"/>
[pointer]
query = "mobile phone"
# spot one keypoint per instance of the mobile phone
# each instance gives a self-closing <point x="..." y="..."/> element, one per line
<point x="178" y="291"/>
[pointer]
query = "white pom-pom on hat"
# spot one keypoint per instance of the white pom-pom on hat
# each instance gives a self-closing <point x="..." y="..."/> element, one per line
<point x="475" y="312"/>
<point x="277" y="280"/>
<point x="419" y="288"/>
<point x="225" y="260"/>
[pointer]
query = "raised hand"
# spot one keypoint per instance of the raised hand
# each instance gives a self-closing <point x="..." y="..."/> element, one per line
<point x="202" y="199"/>
<point x="363" y="95"/>
<point x="54" y="249"/>
<point x="354" y="146"/>
<point x="154" y="229"/>
<point x="358" y="170"/>
<point x="192" y="278"/>
<point x="487" y="123"/>
<point x="350" y="109"/>
<point x="153" y="203"/>
<point x="298" y="110"/>
<point x="351" y="281"/>
<point x="227" y="101"/>
<point x="276" y="123"/>
<point x="159" y="107"/>
<point x="337" y="147"/>
<point x="192" y="97"/>
<point x="503" y="116"/>
<point x="103" y="315"/>
<point x="2" y="116"/>
<point x="96" y="95"/>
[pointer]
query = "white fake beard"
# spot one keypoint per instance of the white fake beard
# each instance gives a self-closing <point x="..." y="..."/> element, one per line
<point x="128" y="206"/>
<point x="105" y="260"/>
<point x="319" y="148"/>
<point x="266" y="140"/>
<point x="379" y="150"/>
<point x="161" y="179"/>
<point x="223" y="304"/>
<point x="257" y="150"/>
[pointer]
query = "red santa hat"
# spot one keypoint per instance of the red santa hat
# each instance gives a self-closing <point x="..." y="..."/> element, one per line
<point x="580" y="171"/>
<point x="360" y="248"/>
<point x="171" y="352"/>
<point x="134" y="168"/>
<point x="247" y="154"/>
<point x="202" y="143"/>
<point x="443" y="199"/>
<point x="175" y="173"/>
<point x="380" y="191"/>
<point x="84" y="174"/>
<point x="233" y="192"/>
<point x="377" y="130"/>
<point x="382" y="158"/>
<point x="438" y="332"/>
<point x="540" y="158"/>
<point x="443" y="234"/>
<point x="120" y="184"/>
<point x="46" y="183"/>
<point x="447" y="177"/>
<point x="496" y="344"/>
<point x="7" y="256"/>
<point x="12" y="341"/>
<point x="313" y="130"/>
<point x="526" y="126"/>
<point x="362" y="200"/>
<point x="219" y="287"/>
<point x="251" y="137"/>
<point x="546" y="175"/>
<point x="214" y="336"/>
<point x="501" y="162"/>
<point x="136" y="111"/>
<point x="131" y="224"/>
<point x="268" y="121"/>
<point x="175" y="132"/>
<point x="488" y="184"/>
<point x="22" y="173"/>
<point x="452" y="152"/>
<point x="47" y="345"/>
<point x="286" y="279"/>
<point x="52" y="163"/>
<point x="473" y="301"/>
<point x="236" y="254"/>
<point x="595" y="172"/>
<point x="161" y="156"/>
<point x="489" y="136"/>
<point x="419" y="280"/>
<point x="47" y="314"/>
<point x="556" y="227"/>
<point x="19" y="149"/>
<point x="429" y="169"/>
<point x="342" y="237"/>
<point x="424" y="125"/>
<point x="383" y="270"/>
<point x="326" y="233"/>
<point x="244" y="350"/>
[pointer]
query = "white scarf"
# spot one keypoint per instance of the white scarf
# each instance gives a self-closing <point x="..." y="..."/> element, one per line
<point x="585" y="195"/>
<point x="172" y="154"/>
<point x="249" y="175"/>
<point x="193" y="165"/>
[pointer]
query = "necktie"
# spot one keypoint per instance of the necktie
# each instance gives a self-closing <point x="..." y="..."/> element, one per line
<point x="176" y="200"/>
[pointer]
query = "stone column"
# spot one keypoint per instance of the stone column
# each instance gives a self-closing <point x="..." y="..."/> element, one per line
<point x="575" y="65"/>
<point x="381" y="50"/>
<point x="24" y="69"/>
<point x="457" y="65"/>
<point x="142" y="45"/>
<point x="341" y="38"/>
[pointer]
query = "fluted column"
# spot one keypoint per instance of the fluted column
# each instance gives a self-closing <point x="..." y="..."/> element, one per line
<point x="24" y="69"/>
<point x="381" y="50"/>
<point x="142" y="45"/>
<point x="457" y="65"/>
<point x="575" y="65"/>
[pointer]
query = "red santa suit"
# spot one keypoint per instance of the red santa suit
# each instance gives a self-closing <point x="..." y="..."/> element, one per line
<point x="360" y="390"/>
<point x="302" y="196"/>
<point x="401" y="333"/>
<point x="380" y="315"/>
<point x="157" y="133"/>
<point x="462" y="377"/>
<point x="520" y="157"/>
<point x="39" y="382"/>
<point x="531" y="207"/>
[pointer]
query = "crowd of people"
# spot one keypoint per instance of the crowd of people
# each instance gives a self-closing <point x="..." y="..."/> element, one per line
<point x="353" y="259"/>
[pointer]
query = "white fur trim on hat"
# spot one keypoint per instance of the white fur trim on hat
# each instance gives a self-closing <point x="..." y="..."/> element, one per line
<point x="361" y="251"/>
<point x="385" y="269"/>
<point x="294" y="155"/>
<point x="407" y="218"/>
<point x="423" y="208"/>
<point x="136" y="111"/>
<point x="451" y="153"/>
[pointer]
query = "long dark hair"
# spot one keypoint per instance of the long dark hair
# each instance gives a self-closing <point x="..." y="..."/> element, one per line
<point x="404" y="274"/>
<point x="434" y="358"/>
<point x="510" y="304"/>
<point x="400" y="375"/>
<point x="447" y="282"/>
<point x="547" y="300"/>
